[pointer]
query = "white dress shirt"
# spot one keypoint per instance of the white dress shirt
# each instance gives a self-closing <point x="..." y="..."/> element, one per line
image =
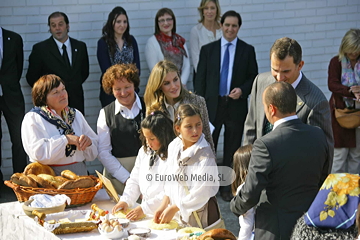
<point x="45" y="143"/>
<point x="152" y="191"/>
<point x="112" y="165"/>
<point x="232" y="49"/>
<point x="68" y="48"/>
<point x="200" y="193"/>
<point x="285" y="119"/>
<point x="199" y="36"/>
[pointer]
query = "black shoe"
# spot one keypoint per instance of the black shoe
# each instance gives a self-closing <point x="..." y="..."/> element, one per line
<point x="226" y="196"/>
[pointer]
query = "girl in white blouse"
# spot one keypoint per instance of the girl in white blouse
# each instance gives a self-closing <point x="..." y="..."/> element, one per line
<point x="207" y="30"/>
<point x="190" y="155"/>
<point x="156" y="134"/>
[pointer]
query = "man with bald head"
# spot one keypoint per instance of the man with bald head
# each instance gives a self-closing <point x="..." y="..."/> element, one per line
<point x="289" y="163"/>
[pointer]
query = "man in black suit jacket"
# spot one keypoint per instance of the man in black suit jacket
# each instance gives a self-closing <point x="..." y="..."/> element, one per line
<point x="12" y="103"/>
<point x="289" y="163"/>
<point x="229" y="109"/>
<point x="47" y="57"/>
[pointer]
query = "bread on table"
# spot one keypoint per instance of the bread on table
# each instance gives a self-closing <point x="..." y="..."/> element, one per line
<point x="217" y="234"/>
<point x="22" y="180"/>
<point x="37" y="168"/>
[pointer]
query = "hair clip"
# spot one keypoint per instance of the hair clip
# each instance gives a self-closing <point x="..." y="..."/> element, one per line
<point x="178" y="117"/>
<point x="152" y="113"/>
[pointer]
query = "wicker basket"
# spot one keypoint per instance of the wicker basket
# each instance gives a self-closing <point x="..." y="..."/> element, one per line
<point x="63" y="228"/>
<point x="78" y="196"/>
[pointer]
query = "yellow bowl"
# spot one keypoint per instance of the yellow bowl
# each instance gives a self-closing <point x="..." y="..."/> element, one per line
<point x="28" y="210"/>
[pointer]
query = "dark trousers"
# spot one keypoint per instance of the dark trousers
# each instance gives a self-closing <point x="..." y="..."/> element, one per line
<point x="232" y="134"/>
<point x="14" y="119"/>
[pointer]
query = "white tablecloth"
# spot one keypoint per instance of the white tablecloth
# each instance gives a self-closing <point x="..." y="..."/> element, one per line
<point x="15" y="225"/>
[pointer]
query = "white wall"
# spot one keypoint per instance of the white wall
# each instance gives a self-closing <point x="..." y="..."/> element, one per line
<point x="318" y="25"/>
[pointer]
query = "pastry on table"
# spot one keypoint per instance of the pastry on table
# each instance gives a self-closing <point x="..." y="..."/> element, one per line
<point x="122" y="214"/>
<point x="161" y="226"/>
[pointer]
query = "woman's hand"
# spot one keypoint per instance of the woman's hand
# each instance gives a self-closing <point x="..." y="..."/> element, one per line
<point x="168" y="214"/>
<point x="135" y="214"/>
<point x="165" y="202"/>
<point x="81" y="142"/>
<point x="120" y="206"/>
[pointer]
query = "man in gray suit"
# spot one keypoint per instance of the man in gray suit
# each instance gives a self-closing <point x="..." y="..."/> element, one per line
<point x="312" y="106"/>
<point x="290" y="163"/>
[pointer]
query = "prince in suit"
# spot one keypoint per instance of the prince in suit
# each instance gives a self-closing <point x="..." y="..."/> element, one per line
<point x="312" y="106"/>
<point x="290" y="163"/>
<point x="63" y="56"/>
<point x="12" y="103"/>
<point x="225" y="80"/>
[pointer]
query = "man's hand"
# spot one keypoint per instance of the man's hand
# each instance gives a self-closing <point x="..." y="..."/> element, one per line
<point x="235" y="93"/>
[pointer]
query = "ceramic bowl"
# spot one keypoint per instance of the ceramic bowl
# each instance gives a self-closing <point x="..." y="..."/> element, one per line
<point x="114" y="234"/>
<point x="141" y="232"/>
<point x="28" y="210"/>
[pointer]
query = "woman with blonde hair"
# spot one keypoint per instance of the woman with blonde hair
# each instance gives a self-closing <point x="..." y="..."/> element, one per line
<point x="164" y="92"/>
<point x="344" y="83"/>
<point x="206" y="31"/>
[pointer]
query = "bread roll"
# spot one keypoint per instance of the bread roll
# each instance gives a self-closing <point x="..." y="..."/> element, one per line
<point x="22" y="180"/>
<point x="61" y="179"/>
<point x="81" y="182"/>
<point x="36" y="179"/>
<point x="217" y="234"/>
<point x="46" y="180"/>
<point x="37" y="168"/>
<point x="69" y="175"/>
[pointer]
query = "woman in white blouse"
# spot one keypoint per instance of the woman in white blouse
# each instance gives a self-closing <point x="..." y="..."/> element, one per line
<point x="55" y="134"/>
<point x="206" y="31"/>
<point x="166" y="44"/>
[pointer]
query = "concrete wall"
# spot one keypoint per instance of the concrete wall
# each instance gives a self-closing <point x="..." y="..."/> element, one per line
<point x="317" y="25"/>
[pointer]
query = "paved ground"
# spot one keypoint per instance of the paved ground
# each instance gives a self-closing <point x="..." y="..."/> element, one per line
<point x="231" y="221"/>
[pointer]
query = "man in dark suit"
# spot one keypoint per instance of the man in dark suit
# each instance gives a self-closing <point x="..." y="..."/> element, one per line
<point x="312" y="106"/>
<point x="225" y="74"/>
<point x="63" y="56"/>
<point x="290" y="163"/>
<point x="12" y="103"/>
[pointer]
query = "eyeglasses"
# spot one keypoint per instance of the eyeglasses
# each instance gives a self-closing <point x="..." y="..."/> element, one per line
<point x="162" y="21"/>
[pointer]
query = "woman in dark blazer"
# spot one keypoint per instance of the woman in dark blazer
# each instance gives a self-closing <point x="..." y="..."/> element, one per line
<point x="116" y="46"/>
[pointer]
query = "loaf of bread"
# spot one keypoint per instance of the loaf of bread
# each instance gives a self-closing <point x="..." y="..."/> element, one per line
<point x="46" y="180"/>
<point x="81" y="182"/>
<point x="38" y="168"/>
<point x="22" y="180"/>
<point x="69" y="175"/>
<point x="217" y="234"/>
<point x="61" y="179"/>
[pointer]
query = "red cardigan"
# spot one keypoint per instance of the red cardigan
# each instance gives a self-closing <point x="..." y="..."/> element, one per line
<point x="343" y="138"/>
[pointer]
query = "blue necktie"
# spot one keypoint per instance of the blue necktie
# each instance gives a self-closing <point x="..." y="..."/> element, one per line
<point x="224" y="72"/>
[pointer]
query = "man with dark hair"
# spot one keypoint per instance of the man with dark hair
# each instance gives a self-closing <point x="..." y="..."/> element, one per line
<point x="312" y="106"/>
<point x="289" y="163"/>
<point x="12" y="103"/>
<point x="63" y="56"/>
<point x="225" y="74"/>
